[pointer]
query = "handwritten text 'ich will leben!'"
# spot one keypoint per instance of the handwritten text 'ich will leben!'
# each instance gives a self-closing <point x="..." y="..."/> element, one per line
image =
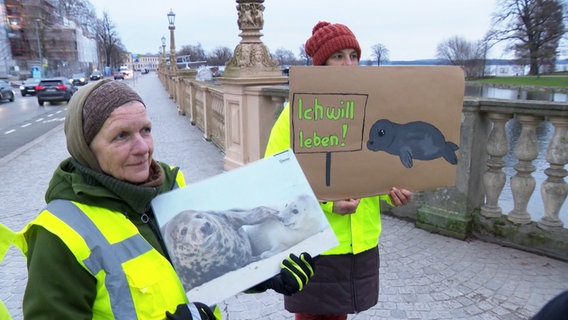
<point x="319" y="112"/>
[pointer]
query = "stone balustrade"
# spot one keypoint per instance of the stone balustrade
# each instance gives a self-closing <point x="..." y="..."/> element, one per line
<point x="471" y="207"/>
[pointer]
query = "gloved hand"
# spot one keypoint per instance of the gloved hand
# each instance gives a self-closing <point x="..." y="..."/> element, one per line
<point x="294" y="274"/>
<point x="193" y="311"/>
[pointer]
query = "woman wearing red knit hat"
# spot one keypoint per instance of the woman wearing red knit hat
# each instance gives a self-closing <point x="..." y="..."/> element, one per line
<point x="346" y="277"/>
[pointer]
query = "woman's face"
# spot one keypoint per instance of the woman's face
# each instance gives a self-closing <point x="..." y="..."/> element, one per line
<point x="344" y="57"/>
<point x="124" y="145"/>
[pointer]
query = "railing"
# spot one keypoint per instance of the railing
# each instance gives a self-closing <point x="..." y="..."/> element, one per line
<point x="473" y="205"/>
<point x="202" y="102"/>
<point x="554" y="189"/>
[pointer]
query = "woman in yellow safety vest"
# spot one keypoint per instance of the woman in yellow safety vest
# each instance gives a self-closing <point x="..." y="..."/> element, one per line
<point x="95" y="251"/>
<point x="347" y="276"/>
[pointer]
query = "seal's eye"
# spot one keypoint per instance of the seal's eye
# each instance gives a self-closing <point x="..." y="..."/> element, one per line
<point x="207" y="228"/>
<point x="183" y="231"/>
<point x="381" y="133"/>
<point x="295" y="211"/>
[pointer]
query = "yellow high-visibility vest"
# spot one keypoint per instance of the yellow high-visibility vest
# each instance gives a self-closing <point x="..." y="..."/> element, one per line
<point x="134" y="281"/>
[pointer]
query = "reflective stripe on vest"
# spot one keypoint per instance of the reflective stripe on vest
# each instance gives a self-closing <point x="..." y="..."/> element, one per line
<point x="103" y="255"/>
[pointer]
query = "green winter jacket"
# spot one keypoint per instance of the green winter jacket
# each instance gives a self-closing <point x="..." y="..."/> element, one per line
<point x="51" y="264"/>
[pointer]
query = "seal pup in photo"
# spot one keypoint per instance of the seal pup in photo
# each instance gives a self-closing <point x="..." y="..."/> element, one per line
<point x="413" y="140"/>
<point x="204" y="245"/>
<point x="297" y="221"/>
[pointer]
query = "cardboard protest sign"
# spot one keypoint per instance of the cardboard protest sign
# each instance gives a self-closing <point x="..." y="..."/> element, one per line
<point x="358" y="131"/>
<point x="230" y="232"/>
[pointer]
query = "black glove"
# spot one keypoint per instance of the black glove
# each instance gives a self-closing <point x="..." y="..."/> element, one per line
<point x="183" y="312"/>
<point x="294" y="274"/>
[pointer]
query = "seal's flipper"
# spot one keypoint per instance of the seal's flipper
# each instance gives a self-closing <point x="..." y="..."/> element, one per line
<point x="406" y="158"/>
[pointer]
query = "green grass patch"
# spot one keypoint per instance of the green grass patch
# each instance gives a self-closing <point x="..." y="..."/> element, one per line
<point x="537" y="81"/>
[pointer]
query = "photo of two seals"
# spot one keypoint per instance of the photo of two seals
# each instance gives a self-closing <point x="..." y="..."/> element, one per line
<point x="414" y="140"/>
<point x="204" y="245"/>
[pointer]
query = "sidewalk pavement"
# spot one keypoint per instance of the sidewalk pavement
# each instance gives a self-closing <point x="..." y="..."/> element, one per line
<point x="422" y="275"/>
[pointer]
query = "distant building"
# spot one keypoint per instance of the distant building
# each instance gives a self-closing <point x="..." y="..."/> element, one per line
<point x="38" y="37"/>
<point x="145" y="61"/>
<point x="507" y="68"/>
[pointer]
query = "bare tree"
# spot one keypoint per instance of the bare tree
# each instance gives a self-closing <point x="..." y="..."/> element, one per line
<point x="532" y="28"/>
<point x="219" y="56"/>
<point x="460" y="52"/>
<point x="380" y="52"/>
<point x="284" y="56"/>
<point x="195" y="52"/>
<point x="108" y="42"/>
<point x="304" y="56"/>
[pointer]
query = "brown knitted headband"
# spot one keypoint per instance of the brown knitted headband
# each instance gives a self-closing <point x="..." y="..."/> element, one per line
<point x="101" y="102"/>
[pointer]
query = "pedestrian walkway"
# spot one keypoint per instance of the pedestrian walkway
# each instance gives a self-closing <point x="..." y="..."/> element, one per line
<point x="423" y="275"/>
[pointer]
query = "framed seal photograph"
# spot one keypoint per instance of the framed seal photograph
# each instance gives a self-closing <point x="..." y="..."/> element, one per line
<point x="233" y="230"/>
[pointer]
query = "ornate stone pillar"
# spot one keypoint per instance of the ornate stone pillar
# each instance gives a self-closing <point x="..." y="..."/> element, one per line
<point x="251" y="57"/>
<point x="523" y="183"/>
<point x="248" y="114"/>
<point x="494" y="178"/>
<point x="555" y="189"/>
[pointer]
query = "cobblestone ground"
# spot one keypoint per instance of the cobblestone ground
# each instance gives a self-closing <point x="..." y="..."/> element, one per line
<point x="423" y="275"/>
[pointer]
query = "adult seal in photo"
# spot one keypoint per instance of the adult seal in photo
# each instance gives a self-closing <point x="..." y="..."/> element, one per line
<point x="414" y="140"/>
<point x="204" y="245"/>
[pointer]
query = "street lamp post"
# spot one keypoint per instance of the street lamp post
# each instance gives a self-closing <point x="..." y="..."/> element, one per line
<point x="38" y="21"/>
<point x="163" y="62"/>
<point x="173" y="59"/>
<point x="159" y="66"/>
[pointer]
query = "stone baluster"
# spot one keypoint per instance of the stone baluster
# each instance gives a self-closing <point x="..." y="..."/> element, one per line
<point x="494" y="178"/>
<point x="523" y="183"/>
<point x="555" y="189"/>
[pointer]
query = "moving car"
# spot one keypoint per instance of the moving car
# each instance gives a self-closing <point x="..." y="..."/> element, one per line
<point x="126" y="73"/>
<point x="118" y="76"/>
<point x="6" y="92"/>
<point x="79" y="79"/>
<point x="28" y="86"/>
<point x="54" y="90"/>
<point x="96" y="75"/>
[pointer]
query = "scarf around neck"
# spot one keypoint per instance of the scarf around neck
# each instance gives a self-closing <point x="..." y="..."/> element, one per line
<point x="136" y="196"/>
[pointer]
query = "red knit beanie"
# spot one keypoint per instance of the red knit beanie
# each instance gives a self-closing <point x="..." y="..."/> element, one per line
<point x="328" y="38"/>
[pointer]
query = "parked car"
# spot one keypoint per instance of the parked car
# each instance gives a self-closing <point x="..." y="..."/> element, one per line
<point x="55" y="90"/>
<point x="6" y="92"/>
<point x="96" y="75"/>
<point x="28" y="86"/>
<point x="79" y="79"/>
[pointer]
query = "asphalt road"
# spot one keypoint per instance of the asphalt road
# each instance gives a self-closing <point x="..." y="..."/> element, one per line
<point x="24" y="120"/>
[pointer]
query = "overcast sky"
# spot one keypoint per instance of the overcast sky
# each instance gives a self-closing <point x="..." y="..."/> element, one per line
<point x="410" y="29"/>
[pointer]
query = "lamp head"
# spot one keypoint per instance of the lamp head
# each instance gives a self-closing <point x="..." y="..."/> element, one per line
<point x="171" y="18"/>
